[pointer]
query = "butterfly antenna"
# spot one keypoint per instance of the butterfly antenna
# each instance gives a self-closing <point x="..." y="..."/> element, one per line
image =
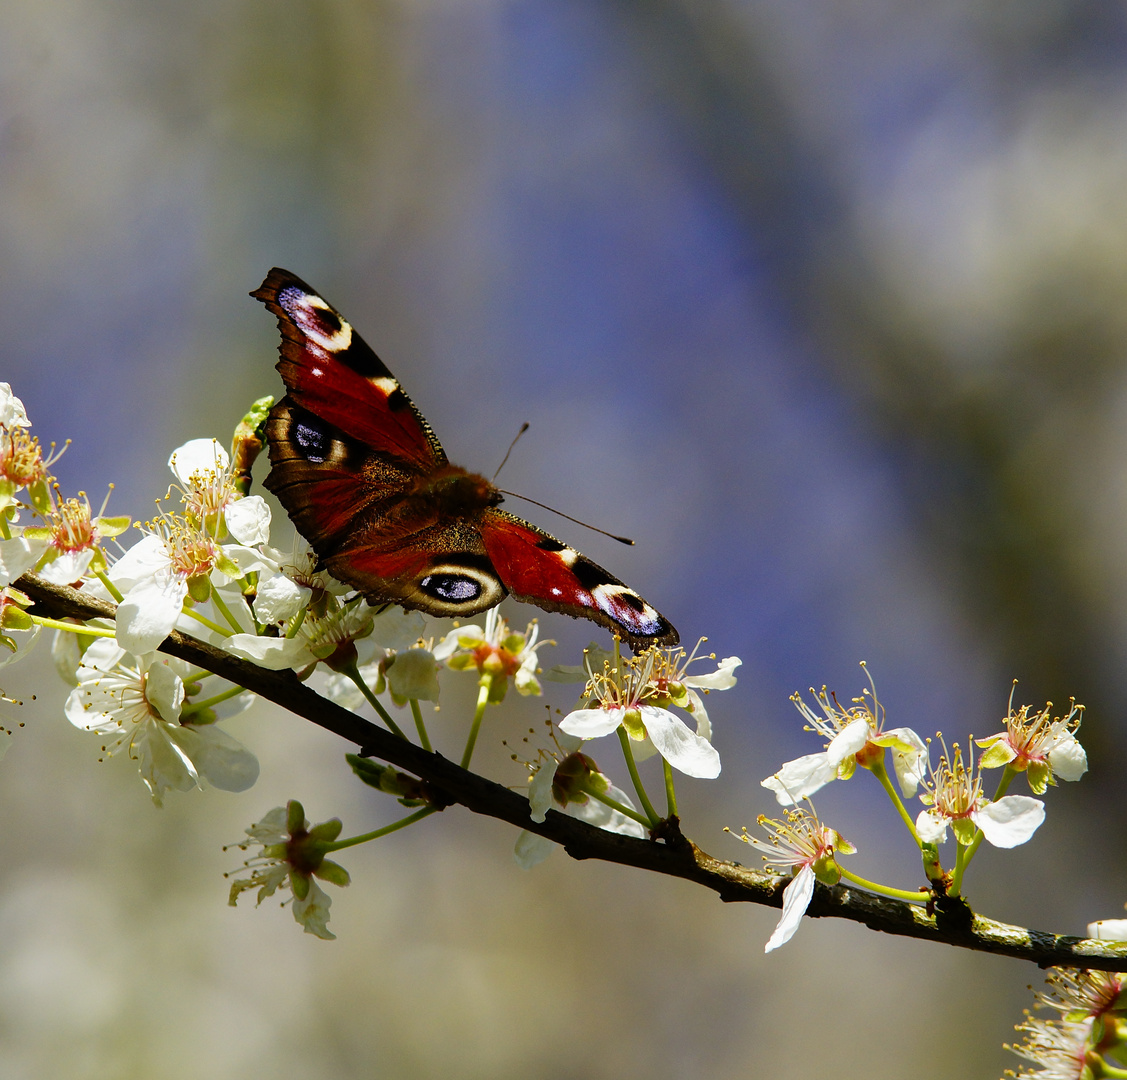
<point x="523" y="429"/>
<point x="586" y="525"/>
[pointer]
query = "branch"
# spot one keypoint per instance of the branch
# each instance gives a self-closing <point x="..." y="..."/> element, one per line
<point x="669" y="853"/>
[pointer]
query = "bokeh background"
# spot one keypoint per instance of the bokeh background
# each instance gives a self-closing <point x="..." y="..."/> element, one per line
<point x="823" y="302"/>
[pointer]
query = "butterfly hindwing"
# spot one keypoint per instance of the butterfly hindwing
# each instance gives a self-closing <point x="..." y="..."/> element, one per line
<point x="367" y="483"/>
<point x="539" y="569"/>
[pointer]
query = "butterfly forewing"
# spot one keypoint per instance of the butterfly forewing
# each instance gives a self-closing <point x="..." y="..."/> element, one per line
<point x="331" y="372"/>
<point x="367" y="483"/>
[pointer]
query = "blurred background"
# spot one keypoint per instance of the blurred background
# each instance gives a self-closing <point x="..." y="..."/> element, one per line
<point x="825" y="303"/>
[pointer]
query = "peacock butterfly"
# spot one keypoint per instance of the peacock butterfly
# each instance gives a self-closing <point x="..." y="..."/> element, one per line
<point x="367" y="483"/>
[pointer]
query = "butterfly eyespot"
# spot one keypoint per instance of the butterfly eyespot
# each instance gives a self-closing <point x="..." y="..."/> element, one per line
<point x="453" y="588"/>
<point x="311" y="442"/>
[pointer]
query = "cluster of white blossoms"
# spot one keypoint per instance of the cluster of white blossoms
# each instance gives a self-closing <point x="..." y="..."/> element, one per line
<point x="205" y="567"/>
<point x="1033" y="742"/>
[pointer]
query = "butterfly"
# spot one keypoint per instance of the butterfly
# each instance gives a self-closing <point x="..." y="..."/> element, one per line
<point x="366" y="481"/>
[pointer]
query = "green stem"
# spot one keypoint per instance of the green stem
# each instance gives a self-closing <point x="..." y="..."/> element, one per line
<point x="1004" y="782"/>
<point x="199" y="706"/>
<point x="5" y="532"/>
<point x="402" y="823"/>
<point x="622" y="808"/>
<point x="420" y="727"/>
<point x="881" y="773"/>
<point x="193" y="614"/>
<point x="628" y="754"/>
<point x="961" y="861"/>
<point x="479" y="712"/>
<point x="111" y="588"/>
<point x="354" y="674"/>
<point x="670" y="793"/>
<point x="1104" y="1069"/>
<point x="71" y="628"/>
<point x="885" y="890"/>
<point x="225" y="611"/>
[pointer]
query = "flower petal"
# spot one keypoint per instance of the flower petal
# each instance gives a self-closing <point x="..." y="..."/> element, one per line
<point x="931" y="827"/>
<point x="164" y="691"/>
<point x="685" y="750"/>
<point x="721" y="679"/>
<point x="273" y="653"/>
<point x="592" y="723"/>
<point x="1010" y="821"/>
<point x="796" y="899"/>
<point x="800" y="778"/>
<point x="413" y="676"/>
<point x="12" y="412"/>
<point x="248" y="520"/>
<point x="279" y="599"/>
<point x="531" y="849"/>
<point x="312" y="911"/>
<point x="148" y="613"/>
<point x="1068" y="759"/>
<point x="219" y="758"/>
<point x="197" y="456"/>
<point x="848" y="741"/>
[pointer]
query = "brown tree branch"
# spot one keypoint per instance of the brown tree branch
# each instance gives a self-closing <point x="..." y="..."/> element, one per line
<point x="673" y="854"/>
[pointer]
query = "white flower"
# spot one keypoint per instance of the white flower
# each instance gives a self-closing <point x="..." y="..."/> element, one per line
<point x="173" y="558"/>
<point x="497" y="652"/>
<point x="330" y="639"/>
<point x="1108" y="930"/>
<point x="12" y="412"/>
<point x="203" y="468"/>
<point x="1039" y="744"/>
<point x="809" y="849"/>
<point x="857" y="736"/>
<point x="565" y="782"/>
<point x="138" y="701"/>
<point x="620" y="697"/>
<point x="293" y="852"/>
<point x="956" y="799"/>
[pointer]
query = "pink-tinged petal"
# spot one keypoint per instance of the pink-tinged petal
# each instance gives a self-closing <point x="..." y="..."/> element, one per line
<point x="249" y="520"/>
<point x="1011" y="820"/>
<point x="931" y="827"/>
<point x="148" y="613"/>
<point x="219" y="758"/>
<point x="531" y="849"/>
<point x="796" y="899"/>
<point x="800" y="778"/>
<point x="685" y="750"/>
<point x="1068" y="759"/>
<point x="592" y="723"/>
<point x="848" y="741"/>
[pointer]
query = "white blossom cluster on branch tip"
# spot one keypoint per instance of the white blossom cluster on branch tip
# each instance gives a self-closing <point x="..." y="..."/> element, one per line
<point x="1035" y="743"/>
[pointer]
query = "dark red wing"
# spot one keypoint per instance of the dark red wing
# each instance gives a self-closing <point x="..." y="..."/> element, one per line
<point x="540" y="570"/>
<point x="331" y="373"/>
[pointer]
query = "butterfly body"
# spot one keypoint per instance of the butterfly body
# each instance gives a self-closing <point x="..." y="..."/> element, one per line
<point x="367" y="483"/>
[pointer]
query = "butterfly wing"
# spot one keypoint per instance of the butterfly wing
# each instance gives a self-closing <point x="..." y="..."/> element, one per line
<point x="332" y="374"/>
<point x="539" y="569"/>
<point x="360" y="472"/>
<point x="367" y="483"/>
